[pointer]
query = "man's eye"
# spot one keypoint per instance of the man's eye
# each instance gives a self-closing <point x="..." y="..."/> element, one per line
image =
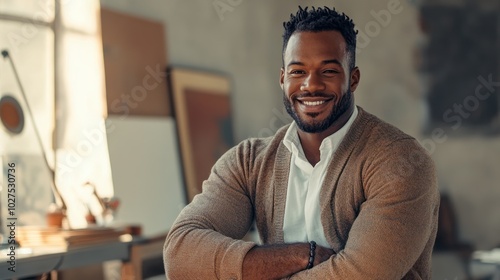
<point x="331" y="71"/>
<point x="296" y="72"/>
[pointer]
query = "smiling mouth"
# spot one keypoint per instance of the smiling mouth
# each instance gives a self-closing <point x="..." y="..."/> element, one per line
<point x="313" y="106"/>
<point x="312" y="103"/>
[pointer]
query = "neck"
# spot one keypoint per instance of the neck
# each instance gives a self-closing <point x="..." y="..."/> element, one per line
<point x="312" y="141"/>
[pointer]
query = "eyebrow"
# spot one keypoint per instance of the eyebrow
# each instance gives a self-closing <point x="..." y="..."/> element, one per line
<point x="324" y="62"/>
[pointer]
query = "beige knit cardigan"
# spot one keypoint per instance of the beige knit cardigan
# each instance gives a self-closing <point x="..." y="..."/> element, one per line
<point x="379" y="204"/>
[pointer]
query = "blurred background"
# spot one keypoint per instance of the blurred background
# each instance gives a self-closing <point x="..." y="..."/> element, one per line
<point x="95" y="74"/>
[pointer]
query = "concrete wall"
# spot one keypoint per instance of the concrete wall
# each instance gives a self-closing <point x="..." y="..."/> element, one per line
<point x="245" y="42"/>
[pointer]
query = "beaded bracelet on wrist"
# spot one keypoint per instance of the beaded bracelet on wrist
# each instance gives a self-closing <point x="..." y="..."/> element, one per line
<point x="312" y="253"/>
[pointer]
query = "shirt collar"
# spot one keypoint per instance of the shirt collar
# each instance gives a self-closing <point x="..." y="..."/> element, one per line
<point x="329" y="144"/>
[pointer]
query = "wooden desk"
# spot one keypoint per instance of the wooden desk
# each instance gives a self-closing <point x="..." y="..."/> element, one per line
<point x="40" y="262"/>
<point x="145" y="253"/>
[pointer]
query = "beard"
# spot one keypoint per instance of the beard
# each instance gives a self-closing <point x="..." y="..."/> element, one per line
<point x="317" y="126"/>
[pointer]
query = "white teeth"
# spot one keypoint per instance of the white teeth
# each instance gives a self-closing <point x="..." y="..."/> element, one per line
<point x="313" y="103"/>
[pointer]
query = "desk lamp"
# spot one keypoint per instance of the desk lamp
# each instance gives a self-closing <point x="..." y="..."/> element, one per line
<point x="12" y="116"/>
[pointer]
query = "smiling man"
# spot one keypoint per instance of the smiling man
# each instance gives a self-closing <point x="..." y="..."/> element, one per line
<point x="337" y="194"/>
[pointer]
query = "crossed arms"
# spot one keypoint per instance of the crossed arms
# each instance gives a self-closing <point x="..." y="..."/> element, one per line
<point x="394" y="226"/>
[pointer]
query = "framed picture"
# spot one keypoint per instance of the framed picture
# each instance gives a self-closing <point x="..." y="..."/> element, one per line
<point x="202" y="108"/>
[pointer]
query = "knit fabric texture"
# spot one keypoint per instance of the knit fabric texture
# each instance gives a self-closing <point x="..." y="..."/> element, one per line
<point x="379" y="205"/>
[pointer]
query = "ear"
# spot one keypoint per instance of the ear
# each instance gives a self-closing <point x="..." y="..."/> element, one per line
<point x="282" y="77"/>
<point x="355" y="76"/>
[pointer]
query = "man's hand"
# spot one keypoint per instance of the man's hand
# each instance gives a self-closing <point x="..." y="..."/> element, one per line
<point x="280" y="261"/>
<point x="322" y="254"/>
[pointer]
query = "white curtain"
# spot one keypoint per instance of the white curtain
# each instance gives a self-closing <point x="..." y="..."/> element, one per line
<point x="80" y="141"/>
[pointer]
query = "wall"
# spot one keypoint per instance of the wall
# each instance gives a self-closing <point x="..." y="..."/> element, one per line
<point x="245" y="42"/>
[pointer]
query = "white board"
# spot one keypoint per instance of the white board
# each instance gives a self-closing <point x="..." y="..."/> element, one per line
<point x="146" y="171"/>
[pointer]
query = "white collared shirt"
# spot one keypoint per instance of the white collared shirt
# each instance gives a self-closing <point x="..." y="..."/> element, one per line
<point x="302" y="221"/>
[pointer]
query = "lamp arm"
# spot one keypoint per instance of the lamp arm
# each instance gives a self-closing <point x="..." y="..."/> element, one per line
<point x="56" y="192"/>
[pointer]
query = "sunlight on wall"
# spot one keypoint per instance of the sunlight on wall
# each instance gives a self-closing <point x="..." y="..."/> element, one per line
<point x="58" y="54"/>
<point x="32" y="9"/>
<point x="81" y="144"/>
<point x="31" y="47"/>
<point x="34" y="59"/>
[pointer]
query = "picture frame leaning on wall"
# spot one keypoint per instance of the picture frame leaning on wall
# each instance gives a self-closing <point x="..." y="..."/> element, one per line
<point x="202" y="109"/>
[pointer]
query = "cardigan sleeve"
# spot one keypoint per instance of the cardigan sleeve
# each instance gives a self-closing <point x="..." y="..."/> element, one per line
<point x="203" y="242"/>
<point x="396" y="222"/>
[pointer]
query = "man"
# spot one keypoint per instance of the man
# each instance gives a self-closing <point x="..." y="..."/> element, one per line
<point x="338" y="194"/>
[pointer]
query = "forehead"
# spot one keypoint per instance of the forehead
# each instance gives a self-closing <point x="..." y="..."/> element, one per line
<point x="306" y="46"/>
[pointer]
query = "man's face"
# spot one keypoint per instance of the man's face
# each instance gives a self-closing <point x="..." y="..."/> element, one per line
<point x="316" y="81"/>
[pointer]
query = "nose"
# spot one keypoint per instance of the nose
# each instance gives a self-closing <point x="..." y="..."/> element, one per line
<point x="313" y="83"/>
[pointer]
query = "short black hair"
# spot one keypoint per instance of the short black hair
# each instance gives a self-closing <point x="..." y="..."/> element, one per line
<point x="322" y="19"/>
